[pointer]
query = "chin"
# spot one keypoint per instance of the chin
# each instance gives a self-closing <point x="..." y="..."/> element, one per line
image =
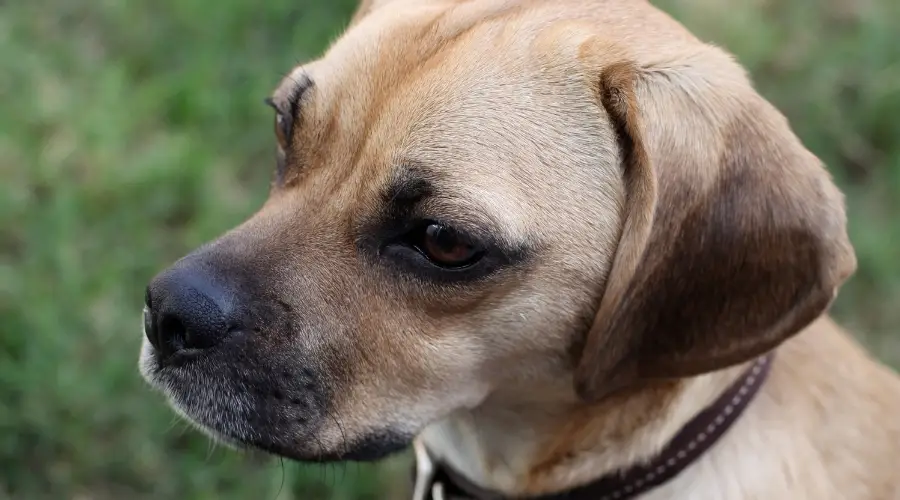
<point x="248" y="410"/>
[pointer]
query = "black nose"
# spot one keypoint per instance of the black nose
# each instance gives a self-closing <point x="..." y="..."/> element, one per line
<point x="186" y="309"/>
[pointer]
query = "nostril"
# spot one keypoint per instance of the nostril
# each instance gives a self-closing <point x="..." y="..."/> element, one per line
<point x="173" y="333"/>
<point x="187" y="309"/>
<point x="150" y="327"/>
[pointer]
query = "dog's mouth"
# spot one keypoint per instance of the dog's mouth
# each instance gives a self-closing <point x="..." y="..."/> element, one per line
<point x="286" y="373"/>
<point x="235" y="398"/>
<point x="269" y="407"/>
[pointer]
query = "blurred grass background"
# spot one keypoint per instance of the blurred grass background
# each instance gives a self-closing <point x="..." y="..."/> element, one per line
<point x="132" y="131"/>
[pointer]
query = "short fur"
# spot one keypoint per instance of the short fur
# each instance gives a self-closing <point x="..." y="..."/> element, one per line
<point x="658" y="225"/>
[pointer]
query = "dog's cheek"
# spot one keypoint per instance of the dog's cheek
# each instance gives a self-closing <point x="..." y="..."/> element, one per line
<point x="412" y="381"/>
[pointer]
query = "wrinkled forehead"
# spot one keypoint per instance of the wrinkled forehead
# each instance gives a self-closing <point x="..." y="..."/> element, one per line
<point x="382" y="48"/>
<point x="466" y="107"/>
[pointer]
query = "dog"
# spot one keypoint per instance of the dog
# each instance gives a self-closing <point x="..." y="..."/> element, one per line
<point x="561" y="247"/>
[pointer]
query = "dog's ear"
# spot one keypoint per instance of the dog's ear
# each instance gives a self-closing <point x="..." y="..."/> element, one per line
<point x="734" y="235"/>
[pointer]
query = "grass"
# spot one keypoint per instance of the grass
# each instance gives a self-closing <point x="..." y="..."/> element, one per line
<point x="131" y="132"/>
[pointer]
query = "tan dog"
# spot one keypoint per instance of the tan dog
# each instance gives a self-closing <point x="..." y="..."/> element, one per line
<point x="542" y="235"/>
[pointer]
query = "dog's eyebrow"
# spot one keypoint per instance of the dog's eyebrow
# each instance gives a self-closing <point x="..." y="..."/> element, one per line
<point x="407" y="189"/>
<point x="413" y="193"/>
<point x="287" y="97"/>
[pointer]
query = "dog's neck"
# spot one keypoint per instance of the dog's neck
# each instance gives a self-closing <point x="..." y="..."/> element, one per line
<point x="527" y="442"/>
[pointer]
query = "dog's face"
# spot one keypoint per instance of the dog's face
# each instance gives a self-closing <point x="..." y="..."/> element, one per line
<point x="460" y="194"/>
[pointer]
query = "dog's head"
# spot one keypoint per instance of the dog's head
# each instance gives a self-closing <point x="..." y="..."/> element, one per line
<point x="478" y="197"/>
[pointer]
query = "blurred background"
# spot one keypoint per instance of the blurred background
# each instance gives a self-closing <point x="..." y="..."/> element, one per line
<point x="132" y="131"/>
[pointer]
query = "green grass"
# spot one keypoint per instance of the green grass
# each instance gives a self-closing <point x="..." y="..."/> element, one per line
<point x="131" y="131"/>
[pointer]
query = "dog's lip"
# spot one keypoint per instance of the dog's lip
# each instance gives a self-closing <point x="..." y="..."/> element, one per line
<point x="175" y="359"/>
<point x="250" y="445"/>
<point x="179" y="358"/>
<point x="283" y="451"/>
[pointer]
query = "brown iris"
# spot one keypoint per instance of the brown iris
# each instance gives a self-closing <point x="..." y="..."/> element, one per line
<point x="282" y="129"/>
<point x="283" y="125"/>
<point x="446" y="247"/>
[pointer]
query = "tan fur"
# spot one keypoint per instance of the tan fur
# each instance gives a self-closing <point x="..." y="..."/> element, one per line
<point x="677" y="227"/>
<point x="817" y="430"/>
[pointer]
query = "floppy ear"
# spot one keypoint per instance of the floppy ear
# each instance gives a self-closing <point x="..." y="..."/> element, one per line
<point x="734" y="236"/>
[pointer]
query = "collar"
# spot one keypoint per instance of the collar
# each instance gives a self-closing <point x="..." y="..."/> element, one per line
<point x="435" y="481"/>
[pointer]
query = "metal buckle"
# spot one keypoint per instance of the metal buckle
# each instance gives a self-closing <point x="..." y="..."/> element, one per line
<point x="425" y="488"/>
<point x="437" y="491"/>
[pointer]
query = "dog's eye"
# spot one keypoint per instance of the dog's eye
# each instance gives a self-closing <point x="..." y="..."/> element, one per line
<point x="446" y="247"/>
<point x="283" y="124"/>
<point x="283" y="129"/>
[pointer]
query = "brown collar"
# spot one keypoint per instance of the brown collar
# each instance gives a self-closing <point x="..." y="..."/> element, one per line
<point x="435" y="481"/>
